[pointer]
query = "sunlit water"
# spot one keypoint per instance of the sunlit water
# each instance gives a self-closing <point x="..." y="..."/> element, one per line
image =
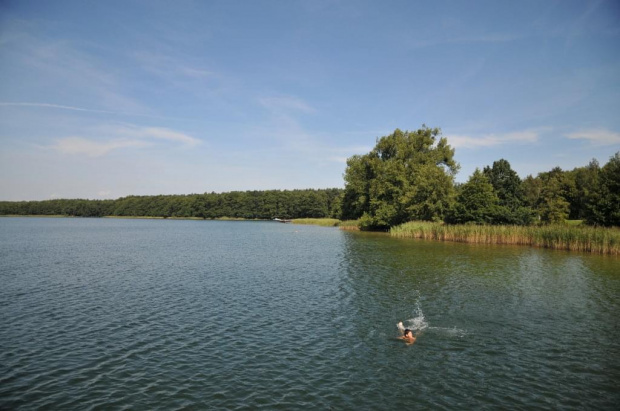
<point x="155" y="314"/>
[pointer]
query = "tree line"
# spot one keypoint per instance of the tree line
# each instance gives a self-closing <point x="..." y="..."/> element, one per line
<point x="409" y="176"/>
<point x="322" y="203"/>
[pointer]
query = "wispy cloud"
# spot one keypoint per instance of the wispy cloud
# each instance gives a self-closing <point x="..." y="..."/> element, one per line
<point x="490" y="140"/>
<point x="120" y="137"/>
<point x="172" y="68"/>
<point x="79" y="68"/>
<point x="286" y="104"/>
<point x="57" y="106"/>
<point x="158" y="133"/>
<point x="484" y="38"/>
<point x="598" y="136"/>
<point x="82" y="109"/>
<point x="93" y="148"/>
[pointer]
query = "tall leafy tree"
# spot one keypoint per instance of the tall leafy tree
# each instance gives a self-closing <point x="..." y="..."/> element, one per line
<point x="476" y="201"/>
<point x="506" y="184"/>
<point x="605" y="199"/>
<point x="586" y="191"/>
<point x="409" y="175"/>
<point x="552" y="204"/>
<point x="508" y="187"/>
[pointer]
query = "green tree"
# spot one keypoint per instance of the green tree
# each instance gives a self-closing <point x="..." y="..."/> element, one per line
<point x="509" y="189"/>
<point x="407" y="176"/>
<point x="476" y="202"/>
<point x="605" y="199"/>
<point x="553" y="206"/>
<point x="506" y="184"/>
<point x="587" y="191"/>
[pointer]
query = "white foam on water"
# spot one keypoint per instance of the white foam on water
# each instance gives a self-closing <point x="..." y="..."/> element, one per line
<point x="418" y="323"/>
<point x="452" y="332"/>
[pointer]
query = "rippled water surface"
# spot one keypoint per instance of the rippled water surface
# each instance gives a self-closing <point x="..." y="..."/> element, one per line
<point x="156" y="314"/>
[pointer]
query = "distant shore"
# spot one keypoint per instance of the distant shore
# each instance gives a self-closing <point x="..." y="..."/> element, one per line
<point x="123" y="217"/>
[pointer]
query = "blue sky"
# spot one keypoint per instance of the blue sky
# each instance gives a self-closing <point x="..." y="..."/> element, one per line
<point x="102" y="99"/>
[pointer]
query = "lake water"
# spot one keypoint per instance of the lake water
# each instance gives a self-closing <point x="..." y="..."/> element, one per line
<point x="158" y="314"/>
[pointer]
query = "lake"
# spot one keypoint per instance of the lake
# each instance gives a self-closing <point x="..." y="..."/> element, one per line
<point x="161" y="314"/>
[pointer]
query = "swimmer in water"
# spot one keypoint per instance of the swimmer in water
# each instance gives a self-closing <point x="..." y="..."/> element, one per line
<point x="407" y="336"/>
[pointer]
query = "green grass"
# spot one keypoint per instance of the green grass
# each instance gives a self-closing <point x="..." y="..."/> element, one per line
<point x="325" y="222"/>
<point x="574" y="222"/>
<point x="597" y="240"/>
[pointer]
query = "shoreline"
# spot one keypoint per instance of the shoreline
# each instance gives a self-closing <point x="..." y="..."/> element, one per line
<point x="565" y="237"/>
<point x="122" y="217"/>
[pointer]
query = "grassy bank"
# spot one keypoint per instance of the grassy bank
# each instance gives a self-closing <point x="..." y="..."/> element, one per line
<point x="559" y="237"/>
<point x="350" y="225"/>
<point x="325" y="222"/>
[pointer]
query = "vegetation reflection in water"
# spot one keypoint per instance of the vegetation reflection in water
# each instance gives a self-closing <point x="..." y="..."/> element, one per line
<point x="169" y="314"/>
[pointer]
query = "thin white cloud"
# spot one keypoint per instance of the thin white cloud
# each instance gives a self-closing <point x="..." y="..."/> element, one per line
<point x="484" y="38"/>
<point x="58" y="106"/>
<point x="159" y="133"/>
<point x="194" y="72"/>
<point x="171" y="67"/>
<point x="92" y="148"/>
<point x="490" y="140"/>
<point x="120" y="137"/>
<point x="598" y="136"/>
<point x="286" y="103"/>
<point x="73" y="108"/>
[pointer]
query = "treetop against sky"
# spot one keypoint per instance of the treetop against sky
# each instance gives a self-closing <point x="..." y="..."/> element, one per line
<point x="106" y="99"/>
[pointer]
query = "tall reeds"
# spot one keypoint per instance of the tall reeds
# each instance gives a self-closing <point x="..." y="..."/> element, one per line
<point x="597" y="240"/>
<point x="350" y="225"/>
<point x="325" y="222"/>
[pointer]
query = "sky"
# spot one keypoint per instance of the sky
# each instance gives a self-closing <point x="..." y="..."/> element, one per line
<point x="104" y="99"/>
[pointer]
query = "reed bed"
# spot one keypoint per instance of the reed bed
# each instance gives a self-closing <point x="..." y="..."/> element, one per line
<point x="325" y="222"/>
<point x="588" y="239"/>
<point x="350" y="225"/>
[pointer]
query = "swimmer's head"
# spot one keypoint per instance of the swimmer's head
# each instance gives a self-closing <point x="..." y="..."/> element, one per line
<point x="408" y="331"/>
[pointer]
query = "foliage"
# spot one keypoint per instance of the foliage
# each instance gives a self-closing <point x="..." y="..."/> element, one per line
<point x="604" y="201"/>
<point x="476" y="201"/>
<point x="506" y="184"/>
<point x="552" y="204"/>
<point x="246" y="205"/>
<point x="408" y="175"/>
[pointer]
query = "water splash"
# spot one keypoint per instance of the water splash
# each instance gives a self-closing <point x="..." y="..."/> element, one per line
<point x="418" y="323"/>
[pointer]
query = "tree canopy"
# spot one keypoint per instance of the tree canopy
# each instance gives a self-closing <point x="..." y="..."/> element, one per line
<point x="408" y="175"/>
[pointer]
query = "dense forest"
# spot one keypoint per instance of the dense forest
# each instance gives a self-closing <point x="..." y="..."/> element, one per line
<point x="408" y="176"/>
<point x="239" y="204"/>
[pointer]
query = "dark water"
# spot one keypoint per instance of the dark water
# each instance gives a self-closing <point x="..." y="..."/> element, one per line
<point x="142" y="314"/>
